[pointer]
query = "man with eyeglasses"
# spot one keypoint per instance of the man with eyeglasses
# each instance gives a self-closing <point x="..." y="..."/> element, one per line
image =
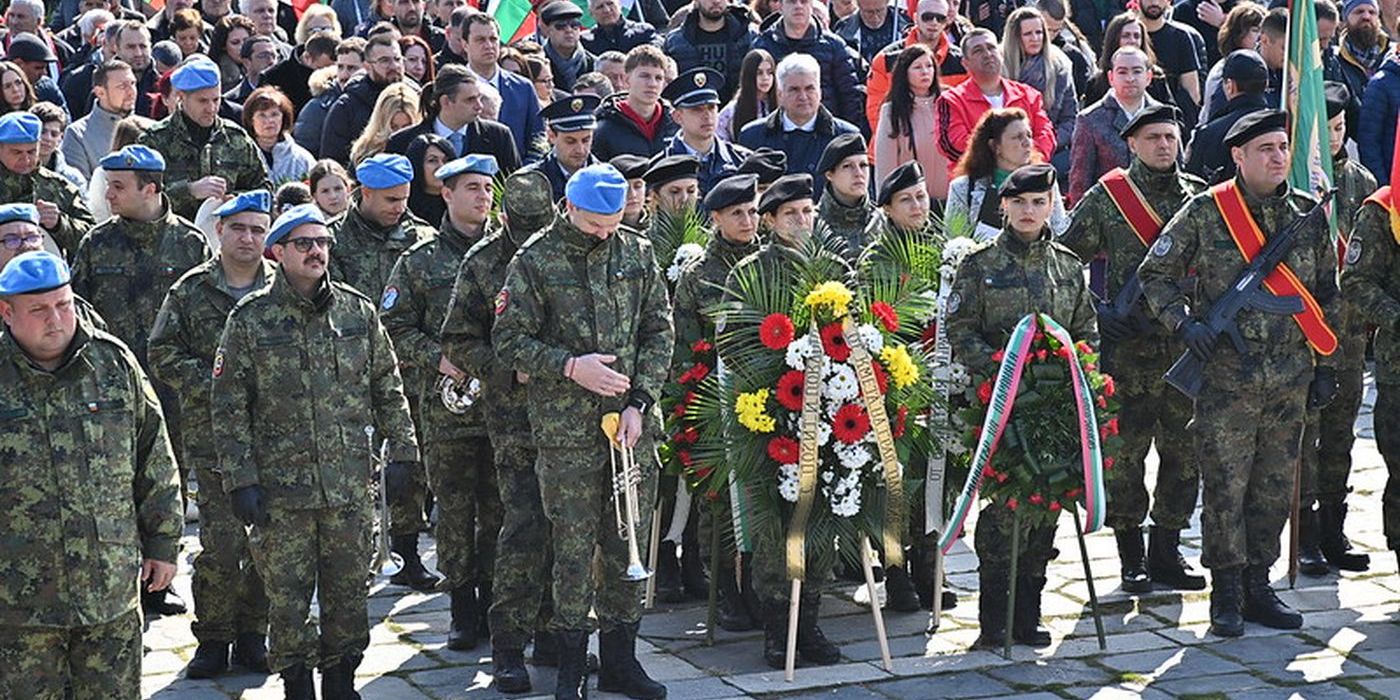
<point x="229" y="600"/>
<point x="19" y="234"/>
<point x="931" y="28"/>
<point x="349" y="115"/>
<point x="306" y="389"/>
<point x="62" y="213"/>
<point x="257" y="55"/>
<point x="561" y="27"/>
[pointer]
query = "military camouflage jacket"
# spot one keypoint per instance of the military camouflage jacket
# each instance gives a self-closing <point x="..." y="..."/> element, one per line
<point x="296" y="381"/>
<point x="1371" y="282"/>
<point x="90" y="484"/>
<point x="1003" y="280"/>
<point x="365" y="252"/>
<point x="855" y="225"/>
<point x="412" y="308"/>
<point x="1354" y="184"/>
<point x="74" y="218"/>
<point x="126" y="267"/>
<point x="184" y="340"/>
<point x="229" y="153"/>
<point x="568" y="294"/>
<point x="702" y="285"/>
<point x="1197" y="239"/>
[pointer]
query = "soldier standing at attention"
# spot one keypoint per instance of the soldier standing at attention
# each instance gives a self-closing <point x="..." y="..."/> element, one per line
<point x="229" y="600"/>
<point x="633" y="167"/>
<point x="1121" y="217"/>
<point x="901" y="207"/>
<point x="569" y="125"/>
<point x="524" y="555"/>
<point x="455" y="446"/>
<point x="1249" y="414"/>
<point x="91" y="498"/>
<point x="845" y="205"/>
<point x="584" y="312"/>
<point x="209" y="156"/>
<point x="301" y="352"/>
<point x="62" y="213"/>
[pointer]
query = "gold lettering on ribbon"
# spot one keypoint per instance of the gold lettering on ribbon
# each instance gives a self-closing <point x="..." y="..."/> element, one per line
<point x="884" y="439"/>
<point x="807" y="462"/>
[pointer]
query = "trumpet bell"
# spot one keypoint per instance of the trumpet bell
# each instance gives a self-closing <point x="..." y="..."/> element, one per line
<point x="636" y="572"/>
<point x="458" y="396"/>
<point x="390" y="565"/>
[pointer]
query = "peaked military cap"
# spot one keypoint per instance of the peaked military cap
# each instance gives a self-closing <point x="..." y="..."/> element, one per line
<point x="34" y="272"/>
<point x="735" y="189"/>
<point x="839" y="149"/>
<point x="788" y="188"/>
<point x="20" y="127"/>
<point x="19" y="212"/>
<point x="1152" y="114"/>
<point x="901" y="178"/>
<point x="259" y="201"/>
<point x="134" y="157"/>
<point x="664" y="169"/>
<point x="695" y="87"/>
<point x="1256" y="124"/>
<point x="768" y="164"/>
<point x="1029" y="179"/>
<point x="571" y="113"/>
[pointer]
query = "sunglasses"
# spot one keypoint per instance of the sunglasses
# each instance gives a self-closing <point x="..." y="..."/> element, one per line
<point x="933" y="17"/>
<point x="305" y="244"/>
<point x="14" y="242"/>
<point x="567" y="24"/>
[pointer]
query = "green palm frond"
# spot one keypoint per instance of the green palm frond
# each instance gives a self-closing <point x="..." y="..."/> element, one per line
<point x="671" y="230"/>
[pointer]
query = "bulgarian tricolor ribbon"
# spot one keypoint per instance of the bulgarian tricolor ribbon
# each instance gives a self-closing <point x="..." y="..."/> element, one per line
<point x="1008" y="381"/>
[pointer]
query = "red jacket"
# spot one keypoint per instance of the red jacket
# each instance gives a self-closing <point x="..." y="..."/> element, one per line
<point x="957" y="110"/>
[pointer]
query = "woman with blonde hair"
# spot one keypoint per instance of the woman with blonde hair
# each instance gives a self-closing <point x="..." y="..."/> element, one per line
<point x="316" y="19"/>
<point x="1029" y="57"/>
<point x="1000" y="143"/>
<point x="397" y="108"/>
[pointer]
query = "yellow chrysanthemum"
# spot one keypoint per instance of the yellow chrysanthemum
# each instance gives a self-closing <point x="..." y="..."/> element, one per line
<point x="833" y="296"/>
<point x="900" y="365"/>
<point x="750" y="409"/>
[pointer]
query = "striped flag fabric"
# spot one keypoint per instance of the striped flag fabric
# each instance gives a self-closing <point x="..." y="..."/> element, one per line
<point x="1311" y="167"/>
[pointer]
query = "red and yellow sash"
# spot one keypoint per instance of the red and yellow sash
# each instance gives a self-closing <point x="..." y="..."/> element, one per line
<point x="1382" y="198"/>
<point x="1140" y="215"/>
<point x="1281" y="281"/>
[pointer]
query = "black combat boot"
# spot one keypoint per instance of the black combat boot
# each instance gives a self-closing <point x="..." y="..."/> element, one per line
<point x="572" y="676"/>
<point x="1335" y="546"/>
<point x="338" y="681"/>
<point x="1166" y="565"/>
<point x="619" y="671"/>
<point x="547" y="652"/>
<point x="161" y="603"/>
<point x="669" y="588"/>
<point x="250" y="651"/>
<point x="1310" y="561"/>
<point x="462" y="632"/>
<point x="414" y="574"/>
<point x="1025" y="627"/>
<point x="732" y="614"/>
<point x="296" y="683"/>
<point x="991" y="612"/>
<point x="508" y="668"/>
<point x="484" y="598"/>
<point x="812" y="645"/>
<point x="1226" y="600"/>
<point x="775" y="627"/>
<point x="1262" y="605"/>
<point x="899" y="591"/>
<point x="693" y="578"/>
<point x="746" y="591"/>
<point x="210" y="660"/>
<point x="1130" y="557"/>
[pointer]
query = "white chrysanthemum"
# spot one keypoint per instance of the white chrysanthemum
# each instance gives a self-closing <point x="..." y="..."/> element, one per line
<point x="870" y="338"/>
<point x="687" y="253"/>
<point x="852" y="457"/>
<point x="847" y="506"/>
<point x="841" y="384"/>
<point x="823" y="433"/>
<point x="787" y="482"/>
<point x="799" y="350"/>
<point x="955" y="249"/>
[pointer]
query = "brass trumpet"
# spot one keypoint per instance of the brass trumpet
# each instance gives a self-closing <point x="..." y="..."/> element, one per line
<point x="456" y="397"/>
<point x="387" y="562"/>
<point x="625" y="478"/>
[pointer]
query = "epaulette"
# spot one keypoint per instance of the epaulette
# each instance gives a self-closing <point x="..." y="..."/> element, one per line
<point x="345" y="287"/>
<point x="1193" y="179"/>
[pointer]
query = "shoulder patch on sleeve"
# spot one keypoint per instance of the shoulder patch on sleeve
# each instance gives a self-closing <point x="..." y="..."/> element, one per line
<point x="502" y="301"/>
<point x="1353" y="251"/>
<point x="954" y="302"/>
<point x="1162" y="246"/>
<point x="391" y="297"/>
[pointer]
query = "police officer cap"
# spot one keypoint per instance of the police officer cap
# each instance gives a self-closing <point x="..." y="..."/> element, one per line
<point x="473" y="163"/>
<point x="259" y="201"/>
<point x="664" y="169"/>
<point x="571" y="113"/>
<point x="20" y="127"/>
<point x="35" y="272"/>
<point x="299" y="215"/>
<point x="1244" y="64"/>
<point x="599" y="189"/>
<point x="27" y="47"/>
<point x="134" y="157"/>
<point x="1152" y="114"/>
<point x="839" y="149"/>
<point x="1029" y="179"/>
<point x="787" y="188"/>
<point x="1255" y="124"/>
<point x="767" y="163"/>
<point x="198" y="73"/>
<point x="901" y="178"/>
<point x="735" y="189"/>
<point x="560" y="9"/>
<point x="695" y="87"/>
<point x="1337" y="96"/>
<point x="631" y="165"/>
<point x="10" y="213"/>
<point x="384" y="170"/>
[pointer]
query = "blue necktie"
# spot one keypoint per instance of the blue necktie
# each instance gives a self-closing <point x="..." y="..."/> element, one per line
<point x="457" y="143"/>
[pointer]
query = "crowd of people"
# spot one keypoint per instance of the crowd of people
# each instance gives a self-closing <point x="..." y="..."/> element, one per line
<point x="263" y="255"/>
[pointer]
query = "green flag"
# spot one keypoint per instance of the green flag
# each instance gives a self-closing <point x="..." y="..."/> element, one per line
<point x="1311" y="168"/>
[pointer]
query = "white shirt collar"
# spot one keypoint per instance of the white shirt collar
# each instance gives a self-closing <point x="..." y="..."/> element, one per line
<point x="790" y="125"/>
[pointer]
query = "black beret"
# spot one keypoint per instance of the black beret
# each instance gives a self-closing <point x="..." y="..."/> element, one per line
<point x="1029" y="179"/>
<point x="1151" y="114"/>
<point x="571" y="113"/>
<point x="785" y="189"/>
<point x="839" y="149"/>
<point x="560" y="9"/>
<point x="768" y="164"/>
<point x="901" y="178"/>
<point x="664" y="169"/>
<point x="1255" y="124"/>
<point x="735" y="189"/>
<point x="695" y="87"/>
<point x="631" y="165"/>
<point x="1244" y="64"/>
<point x="1337" y="96"/>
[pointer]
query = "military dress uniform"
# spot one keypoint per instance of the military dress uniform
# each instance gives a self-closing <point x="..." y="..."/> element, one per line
<point x="566" y="114"/>
<point x="74" y="217"/>
<point x="694" y="88"/>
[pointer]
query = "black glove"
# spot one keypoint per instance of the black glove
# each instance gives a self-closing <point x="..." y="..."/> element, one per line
<point x="397" y="476"/>
<point x="1115" y="328"/>
<point x="1323" y="388"/>
<point x="250" y="505"/>
<point x="1198" y="338"/>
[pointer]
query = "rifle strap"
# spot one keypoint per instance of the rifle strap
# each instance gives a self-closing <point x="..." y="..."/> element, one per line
<point x="1381" y="198"/>
<point x="1125" y="195"/>
<point x="1281" y="281"/>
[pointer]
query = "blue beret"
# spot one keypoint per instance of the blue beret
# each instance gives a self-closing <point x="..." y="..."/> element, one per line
<point x="384" y="170"/>
<point x="198" y="73"/>
<point x="19" y="212"/>
<point x="32" y="273"/>
<point x="259" y="201"/>
<point x="134" y="157"/>
<point x="298" y="215"/>
<point x="474" y="163"/>
<point x="20" y="127"/>
<point x="600" y="189"/>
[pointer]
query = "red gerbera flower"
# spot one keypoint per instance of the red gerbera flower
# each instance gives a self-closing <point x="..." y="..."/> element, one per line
<point x="900" y="416"/>
<point x="998" y="356"/>
<point x="685" y="458"/>
<point x="701" y="345"/>
<point x="1111" y="427"/>
<point x="1074" y="492"/>
<point x="882" y="378"/>
<point x="984" y="392"/>
<point x="776" y="331"/>
<point x="834" y="343"/>
<point x="1002" y="477"/>
<point x="1108" y="388"/>
<point x="699" y="371"/>
<point x="1054" y="506"/>
<point x="1102" y="402"/>
<point x="886" y="315"/>
<point x="850" y="424"/>
<point x="1108" y="462"/>
<point x="1036" y="499"/>
<point x="790" y="388"/>
<point x="688" y="436"/>
<point x="784" y="450"/>
<point x="1042" y="354"/>
<point x="1012" y="503"/>
<point x="678" y="411"/>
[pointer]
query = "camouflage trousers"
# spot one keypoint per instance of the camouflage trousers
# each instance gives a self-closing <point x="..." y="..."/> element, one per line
<point x="408" y="514"/>
<point x="229" y="598"/>
<point x="325" y="552"/>
<point x="992" y="541"/>
<point x="1151" y="411"/>
<point x="463" y="479"/>
<point x="576" y="492"/>
<point x="1329" y="437"/>
<point x="524" y="556"/>
<point x="1247" y="429"/>
<point x="1387" y="429"/>
<point x="770" y="575"/>
<point x="98" y="662"/>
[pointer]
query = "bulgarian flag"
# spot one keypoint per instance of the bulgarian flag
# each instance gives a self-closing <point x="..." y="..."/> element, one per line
<point x="1311" y="168"/>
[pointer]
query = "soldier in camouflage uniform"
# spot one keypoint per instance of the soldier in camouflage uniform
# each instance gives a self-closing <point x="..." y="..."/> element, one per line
<point x="456" y="449"/>
<point x="524" y="555"/>
<point x="207" y="155"/>
<point x="845" y="207"/>
<point x="1139" y="353"/>
<point x="584" y="312"/>
<point x="62" y="213"/>
<point x="1019" y="272"/>
<point x="369" y="238"/>
<point x="91" y="500"/>
<point x="230" y="603"/>
<point x="20" y="233"/>
<point x="569" y="125"/>
<point x="1249" y="414"/>
<point x="304" y="371"/>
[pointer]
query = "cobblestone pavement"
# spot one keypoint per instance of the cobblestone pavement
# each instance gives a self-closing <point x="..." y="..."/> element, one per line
<point x="1157" y="647"/>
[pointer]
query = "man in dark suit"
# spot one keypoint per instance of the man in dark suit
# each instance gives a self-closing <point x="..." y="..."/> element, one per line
<point x="453" y="111"/>
<point x="520" y="107"/>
